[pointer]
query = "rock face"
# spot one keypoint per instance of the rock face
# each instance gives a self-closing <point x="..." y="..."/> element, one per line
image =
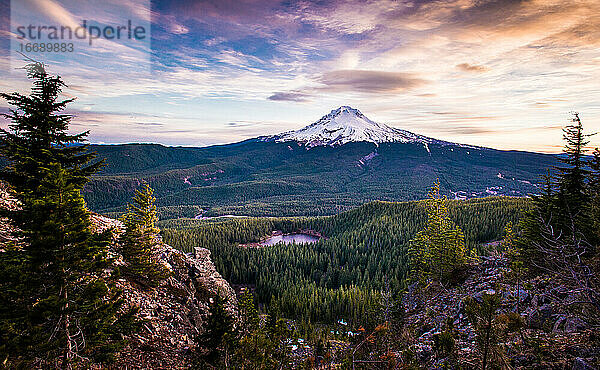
<point x="564" y="337"/>
<point x="581" y="364"/>
<point x="175" y="311"/>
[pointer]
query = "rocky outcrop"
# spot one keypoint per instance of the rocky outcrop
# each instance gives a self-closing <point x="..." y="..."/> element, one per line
<point x="554" y="334"/>
<point x="174" y="313"/>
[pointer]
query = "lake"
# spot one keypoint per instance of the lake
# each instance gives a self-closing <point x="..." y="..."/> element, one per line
<point x="290" y="238"/>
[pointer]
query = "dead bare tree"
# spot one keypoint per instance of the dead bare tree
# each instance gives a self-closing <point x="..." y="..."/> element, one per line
<point x="566" y="258"/>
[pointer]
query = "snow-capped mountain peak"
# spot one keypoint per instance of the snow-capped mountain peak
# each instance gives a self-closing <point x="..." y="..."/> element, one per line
<point x="346" y="124"/>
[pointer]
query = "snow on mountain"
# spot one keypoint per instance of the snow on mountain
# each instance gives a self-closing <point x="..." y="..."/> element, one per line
<point x="346" y="124"/>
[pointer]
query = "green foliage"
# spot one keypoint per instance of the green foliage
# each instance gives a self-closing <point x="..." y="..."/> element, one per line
<point x="563" y="220"/>
<point x="217" y="339"/>
<point x="141" y="237"/>
<point x="518" y="266"/>
<point x="341" y="275"/>
<point x="572" y="177"/>
<point x="444" y="343"/>
<point x="439" y="249"/>
<point x="488" y="327"/>
<point x="252" y="344"/>
<point x="256" y="350"/>
<point x="594" y="192"/>
<point x="57" y="309"/>
<point x="510" y="237"/>
<point x="257" y="178"/>
<point x="278" y="332"/>
<point x="38" y="136"/>
<point x="249" y="319"/>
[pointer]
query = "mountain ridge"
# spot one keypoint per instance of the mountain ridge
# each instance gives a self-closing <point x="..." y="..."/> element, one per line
<point x="337" y="163"/>
<point x="346" y="124"/>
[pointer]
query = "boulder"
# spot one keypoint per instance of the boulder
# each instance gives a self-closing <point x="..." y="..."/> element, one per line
<point x="569" y="324"/>
<point x="575" y="324"/>
<point x="479" y="295"/>
<point x="581" y="364"/>
<point x="540" y="316"/>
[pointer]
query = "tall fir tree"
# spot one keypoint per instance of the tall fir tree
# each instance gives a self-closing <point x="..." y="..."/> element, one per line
<point x="488" y="333"/>
<point x="249" y="318"/>
<point x="254" y="348"/>
<point x="517" y="264"/>
<point x="278" y="333"/>
<point x="594" y="193"/>
<point x="571" y="180"/>
<point x="219" y="334"/>
<point x="38" y="136"/>
<point x="60" y="310"/>
<point x="439" y="249"/>
<point x="530" y="225"/>
<point x="140" y="241"/>
<point x="566" y="205"/>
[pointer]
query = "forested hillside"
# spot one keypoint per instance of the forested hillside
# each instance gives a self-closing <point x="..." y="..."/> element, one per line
<point x="258" y="178"/>
<point x="497" y="282"/>
<point x="341" y="275"/>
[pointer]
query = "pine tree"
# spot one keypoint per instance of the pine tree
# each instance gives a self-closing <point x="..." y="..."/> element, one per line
<point x="278" y="333"/>
<point x="259" y="347"/>
<point x="594" y="193"/>
<point x="573" y="198"/>
<point x="517" y="263"/>
<point x="439" y="249"/>
<point x="489" y="328"/>
<point x="530" y="225"/>
<point x="142" y="238"/>
<point x="61" y="311"/>
<point x="565" y="208"/>
<point x="248" y="313"/>
<point x="219" y="333"/>
<point x="390" y="316"/>
<point x="38" y="136"/>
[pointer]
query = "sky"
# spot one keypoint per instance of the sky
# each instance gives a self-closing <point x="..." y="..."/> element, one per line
<point x="503" y="74"/>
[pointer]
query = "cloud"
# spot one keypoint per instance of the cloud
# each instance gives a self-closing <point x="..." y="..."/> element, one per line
<point x="466" y="130"/>
<point x="154" y="124"/>
<point x="242" y="123"/>
<point x="179" y="29"/>
<point x="466" y="67"/>
<point x="404" y="61"/>
<point x="214" y="41"/>
<point x="238" y="59"/>
<point x="353" y="81"/>
<point x="288" y="96"/>
<point x="55" y="11"/>
<point x="369" y="81"/>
